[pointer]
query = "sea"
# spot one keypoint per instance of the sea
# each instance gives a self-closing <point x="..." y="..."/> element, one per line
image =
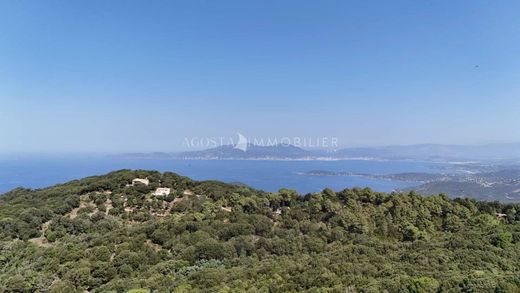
<point x="268" y="175"/>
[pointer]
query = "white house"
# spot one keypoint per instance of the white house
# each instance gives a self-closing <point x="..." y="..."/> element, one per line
<point x="227" y="209"/>
<point x="161" y="191"/>
<point x="143" y="181"/>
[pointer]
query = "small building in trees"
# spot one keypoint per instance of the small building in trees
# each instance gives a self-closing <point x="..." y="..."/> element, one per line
<point x="142" y="181"/>
<point x="161" y="191"/>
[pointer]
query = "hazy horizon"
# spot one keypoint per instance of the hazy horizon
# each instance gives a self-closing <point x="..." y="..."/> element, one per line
<point x="106" y="77"/>
<point x="94" y="153"/>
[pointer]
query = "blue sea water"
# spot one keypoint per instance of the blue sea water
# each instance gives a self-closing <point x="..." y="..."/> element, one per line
<point x="265" y="175"/>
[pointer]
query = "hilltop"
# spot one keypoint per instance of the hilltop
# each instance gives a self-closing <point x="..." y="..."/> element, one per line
<point x="118" y="232"/>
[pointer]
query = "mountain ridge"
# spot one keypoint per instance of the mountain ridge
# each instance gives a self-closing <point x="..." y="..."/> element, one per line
<point x="509" y="152"/>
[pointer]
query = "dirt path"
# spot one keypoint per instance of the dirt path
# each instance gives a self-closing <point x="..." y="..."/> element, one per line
<point x="42" y="241"/>
<point x="108" y="206"/>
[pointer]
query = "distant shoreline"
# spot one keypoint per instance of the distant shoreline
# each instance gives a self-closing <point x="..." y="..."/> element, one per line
<point x="323" y="159"/>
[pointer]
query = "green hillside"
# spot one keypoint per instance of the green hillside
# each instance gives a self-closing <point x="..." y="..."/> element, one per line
<point x="105" y="234"/>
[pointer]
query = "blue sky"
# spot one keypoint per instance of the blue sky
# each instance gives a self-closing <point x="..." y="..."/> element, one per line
<point x="109" y="76"/>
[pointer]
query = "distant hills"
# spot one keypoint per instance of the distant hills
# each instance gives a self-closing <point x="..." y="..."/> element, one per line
<point x="433" y="152"/>
<point x="425" y="152"/>
<point x="501" y="185"/>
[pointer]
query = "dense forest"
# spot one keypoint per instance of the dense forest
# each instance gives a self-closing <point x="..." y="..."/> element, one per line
<point x="113" y="234"/>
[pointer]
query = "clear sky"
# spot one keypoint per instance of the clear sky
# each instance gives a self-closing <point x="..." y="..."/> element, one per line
<point x="143" y="75"/>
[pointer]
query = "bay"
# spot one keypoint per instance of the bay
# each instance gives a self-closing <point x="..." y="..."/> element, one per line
<point x="260" y="174"/>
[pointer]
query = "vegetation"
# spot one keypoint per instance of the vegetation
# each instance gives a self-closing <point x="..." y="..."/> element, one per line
<point x="105" y="234"/>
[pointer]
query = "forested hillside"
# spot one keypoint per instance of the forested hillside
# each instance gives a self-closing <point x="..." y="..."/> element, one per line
<point x="107" y="234"/>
